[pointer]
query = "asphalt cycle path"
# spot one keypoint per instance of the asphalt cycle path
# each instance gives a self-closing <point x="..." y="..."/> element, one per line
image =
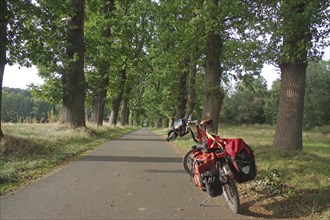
<point x="137" y="176"/>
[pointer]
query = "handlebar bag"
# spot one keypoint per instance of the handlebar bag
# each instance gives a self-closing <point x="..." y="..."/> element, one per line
<point x="242" y="162"/>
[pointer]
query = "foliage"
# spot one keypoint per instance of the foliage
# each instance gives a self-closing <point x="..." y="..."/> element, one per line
<point x="316" y="16"/>
<point x="19" y="106"/>
<point x="271" y="103"/>
<point x="49" y="92"/>
<point x="153" y="41"/>
<point x="317" y="97"/>
<point x="247" y="104"/>
<point x="36" y="33"/>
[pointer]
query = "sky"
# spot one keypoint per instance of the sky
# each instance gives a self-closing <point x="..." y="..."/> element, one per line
<point x="21" y="77"/>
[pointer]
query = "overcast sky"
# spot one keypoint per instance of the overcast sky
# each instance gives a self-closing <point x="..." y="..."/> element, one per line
<point x="15" y="77"/>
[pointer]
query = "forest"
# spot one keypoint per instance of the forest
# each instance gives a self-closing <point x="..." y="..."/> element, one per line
<point x="148" y="63"/>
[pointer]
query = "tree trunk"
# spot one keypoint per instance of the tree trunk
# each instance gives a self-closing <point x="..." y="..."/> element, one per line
<point x="166" y="122"/>
<point x="98" y="102"/>
<point x="3" y="46"/>
<point x="73" y="109"/>
<point x="293" y="65"/>
<point x="115" y="110"/>
<point x="99" y="99"/>
<point x="171" y="122"/>
<point x="117" y="99"/>
<point x="288" y="132"/>
<point x="124" y="112"/>
<point x="182" y="93"/>
<point x="191" y="97"/>
<point x="159" y="122"/>
<point x="213" y="94"/>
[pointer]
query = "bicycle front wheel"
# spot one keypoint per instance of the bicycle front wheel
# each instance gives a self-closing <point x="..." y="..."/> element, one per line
<point x="188" y="162"/>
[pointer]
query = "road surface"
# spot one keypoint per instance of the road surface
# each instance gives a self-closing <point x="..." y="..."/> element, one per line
<point x="137" y="176"/>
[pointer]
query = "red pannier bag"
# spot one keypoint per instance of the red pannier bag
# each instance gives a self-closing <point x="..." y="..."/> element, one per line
<point x="203" y="162"/>
<point x="242" y="160"/>
<point x="205" y="174"/>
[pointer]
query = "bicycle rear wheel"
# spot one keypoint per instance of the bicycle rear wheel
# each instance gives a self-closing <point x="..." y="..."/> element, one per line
<point x="231" y="195"/>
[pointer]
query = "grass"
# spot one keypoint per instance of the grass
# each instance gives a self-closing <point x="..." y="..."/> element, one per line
<point x="288" y="184"/>
<point x="29" y="151"/>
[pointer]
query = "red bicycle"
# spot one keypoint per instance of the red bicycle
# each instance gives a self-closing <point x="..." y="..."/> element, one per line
<point x="208" y="163"/>
<point x="215" y="163"/>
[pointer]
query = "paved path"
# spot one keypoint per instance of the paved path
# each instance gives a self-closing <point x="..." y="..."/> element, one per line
<point x="138" y="176"/>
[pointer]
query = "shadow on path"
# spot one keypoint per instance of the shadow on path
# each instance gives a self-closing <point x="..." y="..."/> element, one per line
<point x="132" y="159"/>
<point x="142" y="139"/>
<point x="165" y="171"/>
<point x="144" y="135"/>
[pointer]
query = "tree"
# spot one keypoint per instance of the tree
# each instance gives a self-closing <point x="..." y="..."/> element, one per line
<point x="231" y="44"/>
<point x="98" y="51"/>
<point x="130" y="33"/>
<point x="213" y="94"/>
<point x="3" y="46"/>
<point x="299" y="26"/>
<point x="13" y="35"/>
<point x="74" y="85"/>
<point x="37" y="36"/>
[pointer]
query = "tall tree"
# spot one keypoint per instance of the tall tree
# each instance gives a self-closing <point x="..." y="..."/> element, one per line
<point x="231" y="46"/>
<point x="14" y="35"/>
<point x="98" y="51"/>
<point x="3" y="45"/>
<point x="74" y="85"/>
<point x="212" y="93"/>
<point x="141" y="32"/>
<point x="299" y="20"/>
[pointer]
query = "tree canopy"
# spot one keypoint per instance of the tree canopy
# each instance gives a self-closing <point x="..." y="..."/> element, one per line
<point x="151" y="62"/>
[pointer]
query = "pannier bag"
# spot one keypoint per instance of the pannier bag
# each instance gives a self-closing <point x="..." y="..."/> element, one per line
<point x="205" y="174"/>
<point x="242" y="162"/>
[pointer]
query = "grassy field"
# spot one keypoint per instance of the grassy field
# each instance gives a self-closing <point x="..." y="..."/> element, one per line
<point x="29" y="151"/>
<point x="288" y="184"/>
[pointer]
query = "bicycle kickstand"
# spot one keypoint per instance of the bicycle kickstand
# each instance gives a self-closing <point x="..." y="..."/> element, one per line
<point x="205" y="200"/>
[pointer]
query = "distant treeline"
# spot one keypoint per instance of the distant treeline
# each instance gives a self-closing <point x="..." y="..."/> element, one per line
<point x="18" y="105"/>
